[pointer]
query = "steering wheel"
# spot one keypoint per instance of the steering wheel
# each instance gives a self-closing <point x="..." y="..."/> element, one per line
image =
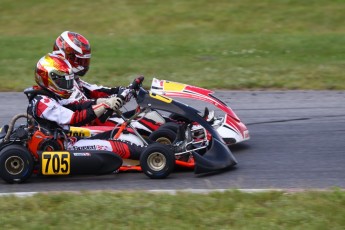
<point x="134" y="87"/>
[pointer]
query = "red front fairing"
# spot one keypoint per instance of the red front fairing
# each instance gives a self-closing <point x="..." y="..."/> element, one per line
<point x="192" y="92"/>
<point x="175" y="89"/>
<point x="238" y="126"/>
<point x="231" y="127"/>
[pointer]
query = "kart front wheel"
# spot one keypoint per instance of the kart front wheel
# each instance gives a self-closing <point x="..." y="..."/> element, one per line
<point x="16" y="164"/>
<point x="157" y="161"/>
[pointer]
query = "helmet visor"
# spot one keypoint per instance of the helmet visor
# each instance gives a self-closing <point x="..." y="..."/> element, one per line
<point x="80" y="60"/>
<point x="85" y="62"/>
<point x="63" y="82"/>
<point x="77" y="60"/>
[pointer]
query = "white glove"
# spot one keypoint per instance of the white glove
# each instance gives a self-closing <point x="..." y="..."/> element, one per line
<point x="114" y="103"/>
<point x="102" y="104"/>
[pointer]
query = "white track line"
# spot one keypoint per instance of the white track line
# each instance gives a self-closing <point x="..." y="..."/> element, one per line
<point x="172" y="191"/>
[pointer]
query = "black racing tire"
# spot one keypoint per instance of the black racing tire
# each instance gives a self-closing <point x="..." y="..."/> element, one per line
<point x="16" y="164"/>
<point x="157" y="161"/>
<point x="163" y="136"/>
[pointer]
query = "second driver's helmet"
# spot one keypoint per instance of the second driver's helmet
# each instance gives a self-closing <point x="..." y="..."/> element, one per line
<point x="76" y="49"/>
<point x="55" y="74"/>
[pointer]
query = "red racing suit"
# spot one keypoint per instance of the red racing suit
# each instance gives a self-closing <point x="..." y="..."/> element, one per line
<point x="94" y="91"/>
<point x="48" y="111"/>
<point x="83" y="91"/>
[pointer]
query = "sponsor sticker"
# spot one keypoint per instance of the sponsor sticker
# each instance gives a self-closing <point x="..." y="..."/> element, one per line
<point x="87" y="147"/>
<point x="82" y="154"/>
<point x="161" y="98"/>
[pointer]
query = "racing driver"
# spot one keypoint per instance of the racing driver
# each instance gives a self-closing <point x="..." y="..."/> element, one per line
<point x="55" y="78"/>
<point x="76" y="49"/>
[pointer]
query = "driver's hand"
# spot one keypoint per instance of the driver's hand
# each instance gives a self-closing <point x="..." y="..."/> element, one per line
<point x="114" y="103"/>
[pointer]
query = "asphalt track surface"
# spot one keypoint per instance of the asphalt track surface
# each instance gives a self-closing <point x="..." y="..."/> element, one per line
<point x="297" y="142"/>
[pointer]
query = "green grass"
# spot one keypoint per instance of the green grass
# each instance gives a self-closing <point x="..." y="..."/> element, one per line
<point x="222" y="44"/>
<point x="240" y="44"/>
<point x="140" y="210"/>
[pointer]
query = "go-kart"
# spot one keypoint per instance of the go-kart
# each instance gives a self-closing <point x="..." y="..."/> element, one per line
<point x="229" y="126"/>
<point x="162" y="126"/>
<point x="29" y="148"/>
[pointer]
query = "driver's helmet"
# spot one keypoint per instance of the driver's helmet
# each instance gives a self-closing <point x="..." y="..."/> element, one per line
<point x="54" y="73"/>
<point x="76" y="49"/>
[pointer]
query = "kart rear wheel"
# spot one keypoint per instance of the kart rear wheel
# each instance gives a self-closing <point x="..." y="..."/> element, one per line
<point x="16" y="164"/>
<point x="163" y="136"/>
<point x="157" y="161"/>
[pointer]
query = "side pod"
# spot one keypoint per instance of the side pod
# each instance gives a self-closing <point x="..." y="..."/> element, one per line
<point x="77" y="162"/>
<point x="98" y="162"/>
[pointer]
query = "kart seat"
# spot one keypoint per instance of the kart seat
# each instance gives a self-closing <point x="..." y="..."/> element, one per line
<point x="29" y="91"/>
<point x="32" y="91"/>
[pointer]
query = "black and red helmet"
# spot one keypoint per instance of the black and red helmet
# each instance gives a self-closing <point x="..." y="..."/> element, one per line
<point x="76" y="49"/>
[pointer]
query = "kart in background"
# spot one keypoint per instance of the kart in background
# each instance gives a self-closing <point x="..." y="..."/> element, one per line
<point x="161" y="126"/>
<point x="195" y="143"/>
<point x="231" y="129"/>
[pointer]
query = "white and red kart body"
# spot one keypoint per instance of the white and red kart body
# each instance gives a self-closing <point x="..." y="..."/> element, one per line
<point x="229" y="126"/>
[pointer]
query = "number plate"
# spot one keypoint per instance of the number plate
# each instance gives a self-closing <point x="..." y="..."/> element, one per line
<point x="56" y="163"/>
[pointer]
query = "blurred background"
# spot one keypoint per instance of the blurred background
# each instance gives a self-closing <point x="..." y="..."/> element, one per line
<point x="221" y="44"/>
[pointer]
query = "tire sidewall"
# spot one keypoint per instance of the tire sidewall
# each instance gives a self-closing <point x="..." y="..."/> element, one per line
<point x="169" y="157"/>
<point x="22" y="153"/>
